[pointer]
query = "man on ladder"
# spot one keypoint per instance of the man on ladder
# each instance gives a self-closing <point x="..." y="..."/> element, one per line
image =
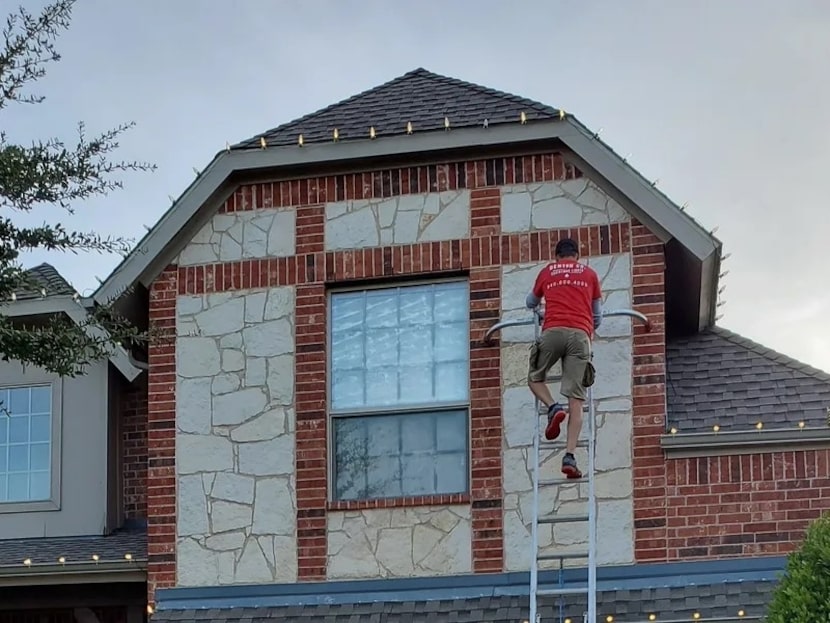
<point x="573" y="310"/>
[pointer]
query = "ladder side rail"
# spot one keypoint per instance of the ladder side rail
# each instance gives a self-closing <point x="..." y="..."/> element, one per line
<point x="535" y="617"/>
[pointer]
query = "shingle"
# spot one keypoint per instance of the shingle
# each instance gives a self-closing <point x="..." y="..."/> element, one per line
<point x="47" y="280"/>
<point x="711" y="601"/>
<point x="47" y="550"/>
<point x="720" y="377"/>
<point x="420" y="97"/>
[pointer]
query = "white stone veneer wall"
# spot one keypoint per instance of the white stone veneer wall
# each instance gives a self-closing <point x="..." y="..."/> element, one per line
<point x="398" y="220"/>
<point x="244" y="235"/>
<point x="399" y="542"/>
<point x="612" y="392"/>
<point x="556" y="205"/>
<point x="235" y="431"/>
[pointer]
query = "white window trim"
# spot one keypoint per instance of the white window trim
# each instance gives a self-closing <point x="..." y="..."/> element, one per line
<point x="54" y="501"/>
<point x="386" y="284"/>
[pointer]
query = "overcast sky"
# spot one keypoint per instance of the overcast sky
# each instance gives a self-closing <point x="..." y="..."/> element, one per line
<point x="726" y="103"/>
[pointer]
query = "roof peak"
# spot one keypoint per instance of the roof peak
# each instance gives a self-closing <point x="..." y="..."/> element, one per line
<point x="419" y="97"/>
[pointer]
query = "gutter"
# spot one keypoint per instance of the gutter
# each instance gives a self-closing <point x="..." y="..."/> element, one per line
<point x="729" y="443"/>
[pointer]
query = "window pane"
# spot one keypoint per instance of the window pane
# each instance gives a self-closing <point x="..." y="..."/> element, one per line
<point x="382" y="456"/>
<point x="19" y="458"/>
<point x="382" y="386"/>
<point x="18" y="487"/>
<point x="19" y="400"/>
<point x="347" y="388"/>
<point x="39" y="455"/>
<point x="18" y="429"/>
<point x="4" y="427"/>
<point x="452" y="382"/>
<point x="3" y="497"/>
<point x="347" y="349"/>
<point x="42" y="400"/>
<point x="402" y="331"/>
<point x="41" y="428"/>
<point x="40" y="486"/>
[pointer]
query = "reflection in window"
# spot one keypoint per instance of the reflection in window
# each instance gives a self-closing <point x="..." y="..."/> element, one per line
<point x="383" y="456"/>
<point x="25" y="443"/>
<point x="394" y="349"/>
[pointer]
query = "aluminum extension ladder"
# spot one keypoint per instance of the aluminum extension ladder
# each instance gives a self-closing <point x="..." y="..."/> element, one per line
<point x="590" y="590"/>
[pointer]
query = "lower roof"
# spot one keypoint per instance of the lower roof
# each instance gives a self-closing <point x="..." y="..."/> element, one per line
<point x="30" y="561"/>
<point x="719" y="377"/>
<point x="724" y="590"/>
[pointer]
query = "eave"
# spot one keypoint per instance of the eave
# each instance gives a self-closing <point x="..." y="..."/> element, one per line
<point x="77" y="312"/>
<point x="73" y="573"/>
<point x="697" y="251"/>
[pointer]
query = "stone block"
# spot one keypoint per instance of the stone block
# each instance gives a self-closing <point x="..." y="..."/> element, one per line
<point x="267" y="458"/>
<point x="203" y="453"/>
<point x="233" y="488"/>
<point x="192" y="514"/>
<point x="225" y="516"/>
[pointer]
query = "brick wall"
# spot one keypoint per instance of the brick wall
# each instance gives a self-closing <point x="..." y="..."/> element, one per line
<point x="649" y="395"/>
<point x="161" y="436"/>
<point x="134" y="451"/>
<point x="762" y="502"/>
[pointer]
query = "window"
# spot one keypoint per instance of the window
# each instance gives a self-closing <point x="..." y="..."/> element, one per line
<point x="399" y="391"/>
<point x="25" y="443"/>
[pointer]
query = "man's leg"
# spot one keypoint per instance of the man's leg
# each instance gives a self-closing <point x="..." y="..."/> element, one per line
<point x="543" y="356"/>
<point x="576" y="357"/>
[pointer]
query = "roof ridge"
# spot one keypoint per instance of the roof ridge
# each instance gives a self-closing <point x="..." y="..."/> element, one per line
<point x="770" y="353"/>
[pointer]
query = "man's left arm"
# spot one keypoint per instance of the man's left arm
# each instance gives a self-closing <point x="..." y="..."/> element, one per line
<point x="596" y="303"/>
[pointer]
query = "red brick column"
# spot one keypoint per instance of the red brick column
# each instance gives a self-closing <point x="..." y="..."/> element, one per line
<point x="486" y="423"/>
<point x="649" y="396"/>
<point x="161" y="437"/>
<point x="310" y="397"/>
<point x="485" y="378"/>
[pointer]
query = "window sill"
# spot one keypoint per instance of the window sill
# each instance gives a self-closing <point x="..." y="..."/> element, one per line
<point x="29" y="507"/>
<point x="685" y="445"/>
<point x="417" y="500"/>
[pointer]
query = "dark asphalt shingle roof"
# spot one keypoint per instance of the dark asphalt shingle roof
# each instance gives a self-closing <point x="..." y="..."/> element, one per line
<point x="715" y="600"/>
<point x="420" y="97"/>
<point x="720" y="377"/>
<point x="110" y="548"/>
<point x="46" y="278"/>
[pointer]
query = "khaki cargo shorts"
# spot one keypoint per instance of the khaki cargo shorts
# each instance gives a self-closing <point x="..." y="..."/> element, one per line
<point x="573" y="348"/>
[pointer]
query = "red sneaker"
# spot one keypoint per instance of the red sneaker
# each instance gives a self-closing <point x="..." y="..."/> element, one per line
<point x="556" y="415"/>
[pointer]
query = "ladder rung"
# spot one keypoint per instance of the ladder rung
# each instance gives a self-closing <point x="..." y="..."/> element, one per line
<point x="571" y="590"/>
<point x="554" y="445"/>
<point x="563" y="518"/>
<point x="567" y="556"/>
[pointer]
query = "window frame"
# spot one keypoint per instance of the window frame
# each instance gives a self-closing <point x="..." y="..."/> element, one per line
<point x="425" y="408"/>
<point x="53" y="503"/>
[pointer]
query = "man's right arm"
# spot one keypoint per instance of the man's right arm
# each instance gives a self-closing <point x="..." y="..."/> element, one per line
<point x="534" y="297"/>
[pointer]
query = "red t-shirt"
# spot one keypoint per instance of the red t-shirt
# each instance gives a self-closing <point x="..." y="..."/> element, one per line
<point x="568" y="289"/>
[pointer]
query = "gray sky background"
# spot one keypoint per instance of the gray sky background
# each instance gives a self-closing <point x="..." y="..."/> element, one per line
<point x="726" y="103"/>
